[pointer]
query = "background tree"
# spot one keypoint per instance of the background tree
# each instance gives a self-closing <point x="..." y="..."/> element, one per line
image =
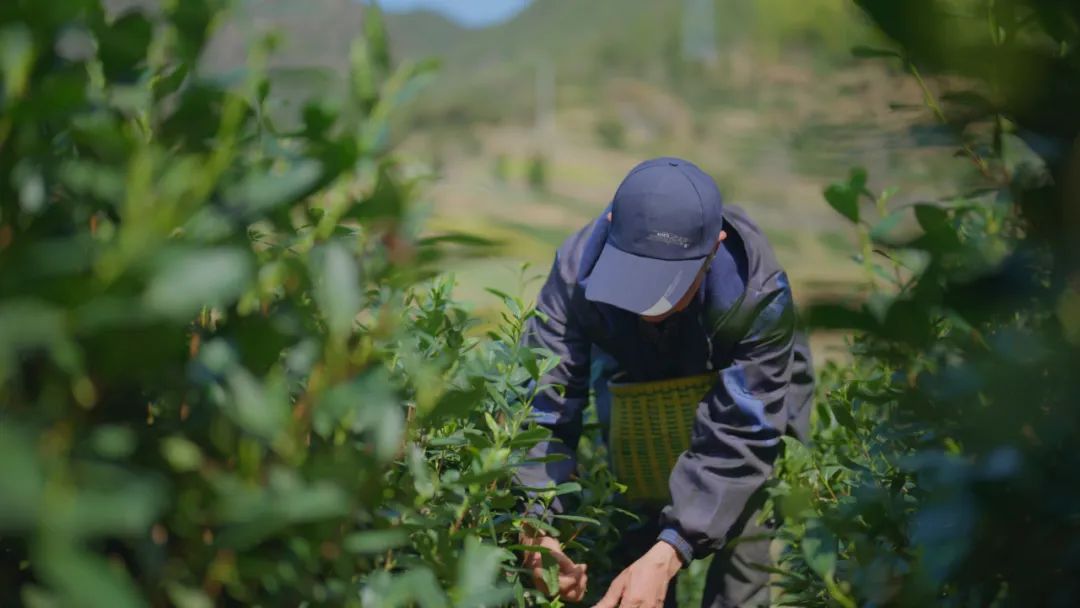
<point x="944" y="468"/>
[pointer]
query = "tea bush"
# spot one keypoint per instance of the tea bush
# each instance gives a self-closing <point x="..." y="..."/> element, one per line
<point x="230" y="375"/>
<point x="228" y="372"/>
<point x="944" y="464"/>
<point x="538" y="173"/>
<point x="611" y="132"/>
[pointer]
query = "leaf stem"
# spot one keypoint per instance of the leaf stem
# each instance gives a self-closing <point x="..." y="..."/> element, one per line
<point x="931" y="102"/>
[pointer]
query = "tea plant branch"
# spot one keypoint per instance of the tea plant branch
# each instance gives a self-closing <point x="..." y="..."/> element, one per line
<point x="837" y="593"/>
<point x="824" y="479"/>
<point x="931" y="102"/>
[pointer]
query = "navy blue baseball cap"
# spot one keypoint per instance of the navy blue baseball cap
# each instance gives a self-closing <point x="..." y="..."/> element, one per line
<point x="665" y="219"/>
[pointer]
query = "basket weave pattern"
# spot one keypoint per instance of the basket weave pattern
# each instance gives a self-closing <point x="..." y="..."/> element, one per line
<point x="650" y="428"/>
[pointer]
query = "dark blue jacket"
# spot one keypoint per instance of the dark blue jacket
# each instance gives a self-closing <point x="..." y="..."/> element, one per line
<point x="740" y="325"/>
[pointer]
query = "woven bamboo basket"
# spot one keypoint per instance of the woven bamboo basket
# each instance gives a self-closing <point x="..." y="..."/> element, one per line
<point x="650" y="428"/>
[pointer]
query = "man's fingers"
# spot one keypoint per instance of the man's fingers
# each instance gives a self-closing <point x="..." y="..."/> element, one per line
<point x="577" y="588"/>
<point x="578" y="592"/>
<point x="538" y="581"/>
<point x="583" y="582"/>
<point x="583" y="586"/>
<point x="567" y="582"/>
<point x="614" y="592"/>
<point x="572" y="578"/>
<point x="572" y="589"/>
<point x="535" y="558"/>
<point x="575" y="576"/>
<point x="531" y="559"/>
<point x="565" y="563"/>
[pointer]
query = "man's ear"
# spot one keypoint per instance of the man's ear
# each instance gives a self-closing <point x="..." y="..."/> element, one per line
<point x="609" y="216"/>
<point x="719" y="240"/>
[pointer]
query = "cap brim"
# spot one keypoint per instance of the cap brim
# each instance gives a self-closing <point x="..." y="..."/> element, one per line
<point x="645" y="286"/>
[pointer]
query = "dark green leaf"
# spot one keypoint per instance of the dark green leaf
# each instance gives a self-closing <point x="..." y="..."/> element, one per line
<point x="842" y="413"/>
<point x="846" y="202"/>
<point x="123" y="46"/>
<point x="836" y="316"/>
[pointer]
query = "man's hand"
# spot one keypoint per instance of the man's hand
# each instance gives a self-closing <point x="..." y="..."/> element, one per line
<point x="572" y="577"/>
<point x="645" y="582"/>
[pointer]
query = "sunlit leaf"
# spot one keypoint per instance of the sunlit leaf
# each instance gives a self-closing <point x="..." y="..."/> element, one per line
<point x="189" y="280"/>
<point x="478" y="573"/>
<point x="16" y="58"/>
<point x="181" y="454"/>
<point x="375" y="541"/>
<point x="263" y="190"/>
<point x="375" y="36"/>
<point x="337" y="289"/>
<point x="188" y="597"/>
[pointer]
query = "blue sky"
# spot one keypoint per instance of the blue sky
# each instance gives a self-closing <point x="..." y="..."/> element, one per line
<point x="473" y="13"/>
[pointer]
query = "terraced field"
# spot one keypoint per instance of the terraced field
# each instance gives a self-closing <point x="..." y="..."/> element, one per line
<point x="772" y="163"/>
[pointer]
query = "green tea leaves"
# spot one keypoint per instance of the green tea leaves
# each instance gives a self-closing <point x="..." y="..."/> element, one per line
<point x="189" y="280"/>
<point x="844" y="197"/>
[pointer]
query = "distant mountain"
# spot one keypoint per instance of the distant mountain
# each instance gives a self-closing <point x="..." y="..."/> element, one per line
<point x="555" y="28"/>
<point x="423" y="33"/>
<point x="689" y="47"/>
<point x="315" y="33"/>
<point x="491" y="73"/>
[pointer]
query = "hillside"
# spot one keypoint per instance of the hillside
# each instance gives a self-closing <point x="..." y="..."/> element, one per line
<point x="423" y="33"/>
<point x="765" y="96"/>
<point x="313" y="34"/>
<point x="691" y="47"/>
<point x="694" y="48"/>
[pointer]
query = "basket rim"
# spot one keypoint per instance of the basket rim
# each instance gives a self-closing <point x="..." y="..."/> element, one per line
<point x="669" y="383"/>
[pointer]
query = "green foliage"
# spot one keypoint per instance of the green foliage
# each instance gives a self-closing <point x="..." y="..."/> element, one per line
<point x="611" y="132"/>
<point x="500" y="168"/>
<point x="537" y="175"/>
<point x="227" y="372"/>
<point x="943" y="469"/>
<point x="844" y="198"/>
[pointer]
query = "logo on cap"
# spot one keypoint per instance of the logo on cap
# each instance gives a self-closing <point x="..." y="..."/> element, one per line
<point x="669" y="238"/>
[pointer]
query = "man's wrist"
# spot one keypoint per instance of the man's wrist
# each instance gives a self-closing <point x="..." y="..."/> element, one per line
<point x="670" y="556"/>
<point x="682" y="548"/>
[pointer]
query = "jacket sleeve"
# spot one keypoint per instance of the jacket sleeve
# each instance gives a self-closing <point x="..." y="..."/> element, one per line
<point x="736" y="433"/>
<point x="800" y="395"/>
<point x="565" y="390"/>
